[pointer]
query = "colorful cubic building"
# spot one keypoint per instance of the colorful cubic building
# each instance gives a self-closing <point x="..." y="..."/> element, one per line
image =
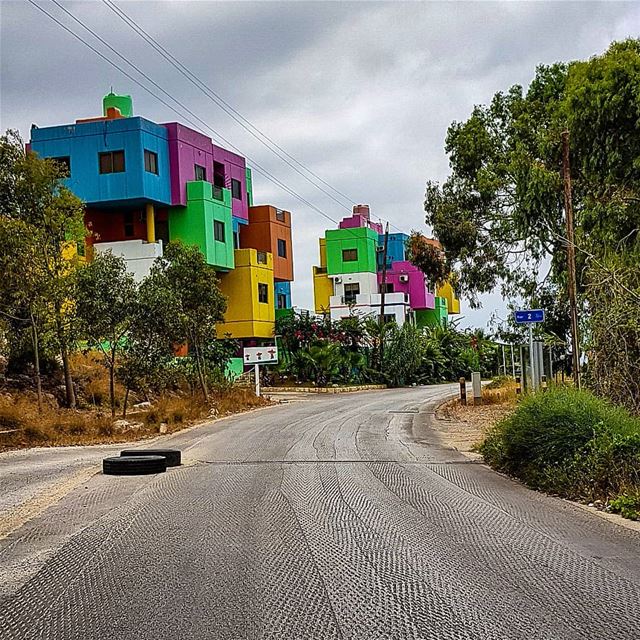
<point x="145" y="184"/>
<point x="349" y="279"/>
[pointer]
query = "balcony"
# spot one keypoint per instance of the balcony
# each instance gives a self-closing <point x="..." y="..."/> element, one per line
<point x="217" y="193"/>
<point x="138" y="254"/>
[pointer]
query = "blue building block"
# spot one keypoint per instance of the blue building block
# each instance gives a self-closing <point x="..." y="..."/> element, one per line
<point x="83" y="142"/>
<point x="396" y="248"/>
<point x="282" y="288"/>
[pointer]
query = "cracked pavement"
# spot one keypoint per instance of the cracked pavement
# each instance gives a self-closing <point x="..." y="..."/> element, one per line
<point x="338" y="516"/>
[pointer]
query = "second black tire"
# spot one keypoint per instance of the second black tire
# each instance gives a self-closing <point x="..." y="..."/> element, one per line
<point x="173" y="456"/>
<point x="133" y="465"/>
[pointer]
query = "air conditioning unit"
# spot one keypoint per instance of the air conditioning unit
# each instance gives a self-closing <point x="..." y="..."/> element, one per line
<point x="404" y="278"/>
<point x="337" y="280"/>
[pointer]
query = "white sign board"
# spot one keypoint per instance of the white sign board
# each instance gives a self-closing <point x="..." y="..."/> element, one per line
<point x="260" y="355"/>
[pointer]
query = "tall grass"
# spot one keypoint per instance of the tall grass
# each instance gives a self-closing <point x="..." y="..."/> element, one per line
<point x="570" y="443"/>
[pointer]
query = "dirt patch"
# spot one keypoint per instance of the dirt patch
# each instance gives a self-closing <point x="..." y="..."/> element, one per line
<point x="462" y="427"/>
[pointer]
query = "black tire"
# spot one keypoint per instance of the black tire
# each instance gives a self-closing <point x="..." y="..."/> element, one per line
<point x="133" y="465"/>
<point x="173" y="456"/>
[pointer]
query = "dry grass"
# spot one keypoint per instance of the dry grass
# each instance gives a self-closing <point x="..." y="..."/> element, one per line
<point x="22" y="425"/>
<point x="464" y="426"/>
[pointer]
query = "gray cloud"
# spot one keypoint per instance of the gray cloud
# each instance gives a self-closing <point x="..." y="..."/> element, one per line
<point x="362" y="93"/>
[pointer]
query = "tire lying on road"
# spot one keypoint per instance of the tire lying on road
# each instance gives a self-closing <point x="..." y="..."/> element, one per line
<point x="173" y="456"/>
<point x="133" y="465"/>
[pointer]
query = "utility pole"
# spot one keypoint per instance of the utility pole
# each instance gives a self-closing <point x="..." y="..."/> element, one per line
<point x="571" y="259"/>
<point x="383" y="287"/>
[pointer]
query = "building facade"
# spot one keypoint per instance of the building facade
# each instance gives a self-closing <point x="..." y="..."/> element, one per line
<point x="145" y="184"/>
<point x="350" y="278"/>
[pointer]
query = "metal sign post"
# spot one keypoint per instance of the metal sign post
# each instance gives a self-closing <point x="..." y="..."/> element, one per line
<point x="257" y="356"/>
<point x="531" y="317"/>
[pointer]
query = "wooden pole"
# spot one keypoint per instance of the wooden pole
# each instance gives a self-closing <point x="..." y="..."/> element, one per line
<point x="571" y="259"/>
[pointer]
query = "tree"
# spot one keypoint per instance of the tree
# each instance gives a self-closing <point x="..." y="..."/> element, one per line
<point x="184" y="290"/>
<point x="403" y="354"/>
<point x="42" y="222"/>
<point x="429" y="257"/>
<point x="499" y="215"/>
<point x="106" y="299"/>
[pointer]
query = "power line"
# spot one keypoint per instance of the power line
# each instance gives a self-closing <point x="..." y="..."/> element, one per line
<point x="244" y="122"/>
<point x="255" y="164"/>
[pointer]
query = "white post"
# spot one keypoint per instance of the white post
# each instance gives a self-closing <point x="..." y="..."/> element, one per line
<point x="476" y="385"/>
<point x="504" y="362"/>
<point x="256" y="369"/>
<point x="532" y="361"/>
<point x="513" y="363"/>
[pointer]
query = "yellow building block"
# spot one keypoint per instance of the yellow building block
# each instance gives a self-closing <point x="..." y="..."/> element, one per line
<point x="322" y="289"/>
<point x="250" y="296"/>
<point x="323" y="253"/>
<point x="453" y="304"/>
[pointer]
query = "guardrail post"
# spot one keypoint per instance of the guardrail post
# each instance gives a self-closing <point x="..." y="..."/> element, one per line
<point x="463" y="391"/>
<point x="476" y="382"/>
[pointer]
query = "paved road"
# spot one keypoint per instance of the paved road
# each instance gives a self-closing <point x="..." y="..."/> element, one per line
<point x="335" y="517"/>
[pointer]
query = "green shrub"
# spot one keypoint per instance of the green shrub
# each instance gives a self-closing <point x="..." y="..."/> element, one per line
<point x="570" y="443"/>
<point x="628" y="506"/>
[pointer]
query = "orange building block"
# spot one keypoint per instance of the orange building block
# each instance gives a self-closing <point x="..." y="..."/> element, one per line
<point x="269" y="230"/>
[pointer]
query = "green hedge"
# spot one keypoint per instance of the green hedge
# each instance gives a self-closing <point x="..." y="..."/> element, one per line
<point x="570" y="443"/>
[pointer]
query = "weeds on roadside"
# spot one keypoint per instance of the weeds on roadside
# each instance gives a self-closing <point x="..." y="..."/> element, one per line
<point x="570" y="443"/>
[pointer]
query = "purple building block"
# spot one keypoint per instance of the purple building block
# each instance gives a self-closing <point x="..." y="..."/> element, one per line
<point x="360" y="218"/>
<point x="407" y="278"/>
<point x="188" y="148"/>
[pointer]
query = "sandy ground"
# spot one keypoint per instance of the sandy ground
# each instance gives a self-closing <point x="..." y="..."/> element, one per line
<point x="462" y="427"/>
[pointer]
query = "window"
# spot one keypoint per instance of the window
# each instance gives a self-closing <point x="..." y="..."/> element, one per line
<point x="111" y="162"/>
<point x="218" y="175"/>
<point x="218" y="230"/>
<point x="389" y="317"/>
<point x="66" y="161"/>
<point x="280" y="215"/>
<point x="263" y="293"/>
<point x="282" y="301"/>
<point x="388" y="287"/>
<point x="236" y="189"/>
<point x="150" y="161"/>
<point x="351" y="290"/>
<point x="236" y="240"/>
<point x="349" y="255"/>
<point x="282" y="248"/>
<point x="261" y="257"/>
<point x="200" y="172"/>
<point x="128" y="225"/>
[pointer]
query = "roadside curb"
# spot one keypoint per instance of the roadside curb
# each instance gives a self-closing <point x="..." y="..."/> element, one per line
<point x="614" y="518"/>
<point x="362" y="387"/>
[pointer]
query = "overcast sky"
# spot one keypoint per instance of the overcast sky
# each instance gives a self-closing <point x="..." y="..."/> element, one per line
<point x="361" y="93"/>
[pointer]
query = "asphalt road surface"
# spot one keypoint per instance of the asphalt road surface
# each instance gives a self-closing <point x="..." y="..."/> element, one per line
<point x="332" y="517"/>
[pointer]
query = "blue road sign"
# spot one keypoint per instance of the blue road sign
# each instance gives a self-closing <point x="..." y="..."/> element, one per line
<point x="529" y="316"/>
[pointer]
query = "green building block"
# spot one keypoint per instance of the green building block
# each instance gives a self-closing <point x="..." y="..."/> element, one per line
<point x="194" y="224"/>
<point x="124" y="104"/>
<point x="341" y="244"/>
<point x="249" y="187"/>
<point x="433" y="317"/>
<point x="234" y="368"/>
